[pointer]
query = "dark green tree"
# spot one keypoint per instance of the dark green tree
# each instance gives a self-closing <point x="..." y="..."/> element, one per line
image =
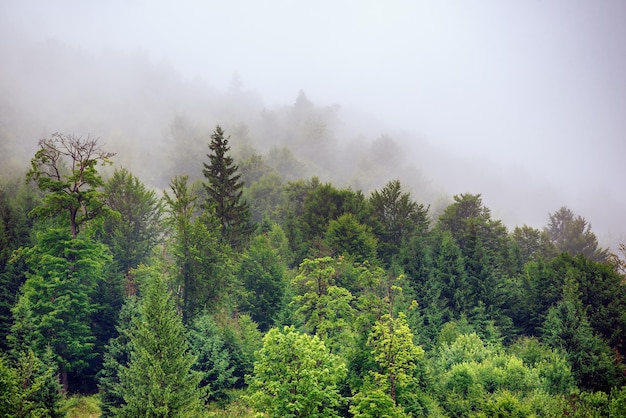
<point x="116" y="356"/>
<point x="533" y="244"/>
<point x="567" y="328"/>
<point x="224" y="191"/>
<point x="213" y="358"/>
<point x="396" y="218"/>
<point x="486" y="248"/>
<point x="16" y="201"/>
<point x="202" y="263"/>
<point x="56" y="307"/>
<point x="326" y="203"/>
<point x="346" y="236"/>
<point x="263" y="275"/>
<point x="266" y="198"/>
<point x="132" y="236"/>
<point x="158" y="380"/>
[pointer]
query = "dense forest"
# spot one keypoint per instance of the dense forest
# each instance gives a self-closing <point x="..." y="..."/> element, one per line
<point x="249" y="286"/>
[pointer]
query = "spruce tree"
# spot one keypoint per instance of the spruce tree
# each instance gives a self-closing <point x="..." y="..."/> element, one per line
<point x="158" y="381"/>
<point x="224" y="190"/>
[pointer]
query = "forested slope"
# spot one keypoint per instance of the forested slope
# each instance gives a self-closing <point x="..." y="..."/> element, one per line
<point x="249" y="284"/>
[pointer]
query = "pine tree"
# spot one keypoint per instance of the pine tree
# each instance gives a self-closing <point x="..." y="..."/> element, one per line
<point x="158" y="381"/>
<point x="224" y="191"/>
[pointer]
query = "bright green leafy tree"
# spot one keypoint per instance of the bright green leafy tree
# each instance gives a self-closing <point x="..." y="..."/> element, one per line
<point x="395" y="353"/>
<point x="296" y="376"/>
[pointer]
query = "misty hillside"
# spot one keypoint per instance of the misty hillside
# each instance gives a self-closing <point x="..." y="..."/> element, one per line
<point x="158" y="122"/>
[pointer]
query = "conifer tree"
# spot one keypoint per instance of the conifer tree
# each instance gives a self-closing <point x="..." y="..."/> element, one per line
<point x="224" y="190"/>
<point x="55" y="307"/>
<point x="158" y="381"/>
<point x="203" y="271"/>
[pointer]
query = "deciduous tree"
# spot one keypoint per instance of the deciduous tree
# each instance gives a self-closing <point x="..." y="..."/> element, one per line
<point x="64" y="168"/>
<point x="296" y="376"/>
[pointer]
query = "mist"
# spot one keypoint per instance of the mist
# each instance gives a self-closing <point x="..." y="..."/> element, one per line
<point x="523" y="103"/>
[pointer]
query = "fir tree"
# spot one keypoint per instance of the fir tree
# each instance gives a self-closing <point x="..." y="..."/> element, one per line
<point x="224" y="191"/>
<point x="158" y="381"/>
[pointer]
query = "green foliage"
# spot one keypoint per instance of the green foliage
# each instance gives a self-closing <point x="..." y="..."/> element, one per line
<point x="322" y="204"/>
<point x="296" y="376"/>
<point x="65" y="168"/>
<point x="16" y="201"/>
<point x="476" y="379"/>
<point x="487" y="253"/>
<point x="79" y="406"/>
<point x="375" y="403"/>
<point x="131" y="237"/>
<point x="393" y="350"/>
<point x="396" y="218"/>
<point x="116" y="356"/>
<point x="158" y="380"/>
<point x="203" y="265"/>
<point x="567" y="328"/>
<point x="572" y="234"/>
<point x="56" y="304"/>
<point x="224" y="192"/>
<point x="266" y="197"/>
<point x="324" y="308"/>
<point x="213" y="359"/>
<point x="533" y="244"/>
<point x="263" y="275"/>
<point x="552" y="368"/>
<point x="347" y="237"/>
<point x="242" y="339"/>
<point x="29" y="386"/>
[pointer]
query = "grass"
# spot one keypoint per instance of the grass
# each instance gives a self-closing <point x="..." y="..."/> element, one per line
<point x="80" y="406"/>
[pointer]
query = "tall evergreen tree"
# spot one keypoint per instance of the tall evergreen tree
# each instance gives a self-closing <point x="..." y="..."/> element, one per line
<point x="158" y="381"/>
<point x="16" y="201"/>
<point x="203" y="271"/>
<point x="396" y="218"/>
<point x="567" y="328"/>
<point x="224" y="190"/>
<point x="56" y="305"/>
<point x="133" y="235"/>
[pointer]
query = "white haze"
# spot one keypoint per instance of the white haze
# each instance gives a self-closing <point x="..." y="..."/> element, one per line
<point x="523" y="102"/>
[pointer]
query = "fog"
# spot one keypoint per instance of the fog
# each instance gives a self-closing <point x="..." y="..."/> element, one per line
<point x="522" y="102"/>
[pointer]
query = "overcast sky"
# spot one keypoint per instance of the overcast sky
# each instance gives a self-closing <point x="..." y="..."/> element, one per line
<point x="539" y="84"/>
